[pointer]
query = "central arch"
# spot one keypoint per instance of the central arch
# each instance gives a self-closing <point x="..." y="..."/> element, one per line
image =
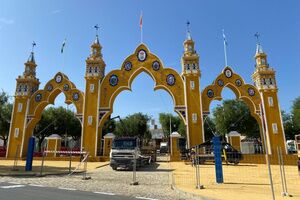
<point x="142" y="60"/>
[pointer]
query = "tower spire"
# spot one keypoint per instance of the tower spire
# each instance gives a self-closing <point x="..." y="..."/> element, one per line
<point x="96" y="47"/>
<point x="31" y="56"/>
<point x="260" y="56"/>
<point x="188" y="31"/>
<point x="258" y="45"/>
<point x="97" y="39"/>
<point x="28" y="83"/>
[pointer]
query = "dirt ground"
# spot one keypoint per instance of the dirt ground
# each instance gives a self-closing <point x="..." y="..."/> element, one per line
<point x="50" y="167"/>
<point x="243" y="181"/>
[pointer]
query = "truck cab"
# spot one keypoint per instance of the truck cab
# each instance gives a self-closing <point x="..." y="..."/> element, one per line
<point x="125" y="151"/>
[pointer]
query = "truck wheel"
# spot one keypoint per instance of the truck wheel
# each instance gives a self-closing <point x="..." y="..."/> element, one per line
<point x="114" y="168"/>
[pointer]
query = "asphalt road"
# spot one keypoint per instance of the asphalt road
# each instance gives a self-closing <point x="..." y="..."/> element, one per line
<point x="16" y="191"/>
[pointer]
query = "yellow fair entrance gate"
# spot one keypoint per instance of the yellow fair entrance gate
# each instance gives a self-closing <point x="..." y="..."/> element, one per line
<point x="95" y="105"/>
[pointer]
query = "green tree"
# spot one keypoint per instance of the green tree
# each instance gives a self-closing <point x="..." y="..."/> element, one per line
<point x="109" y="127"/>
<point x="59" y="121"/>
<point x="234" y="115"/>
<point x="176" y="124"/>
<point x="134" y="125"/>
<point x="209" y="127"/>
<point x="5" y="117"/>
<point x="288" y="124"/>
<point x="295" y="113"/>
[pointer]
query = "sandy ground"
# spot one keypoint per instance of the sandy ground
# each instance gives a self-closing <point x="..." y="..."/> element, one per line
<point x="243" y="181"/>
<point x="52" y="167"/>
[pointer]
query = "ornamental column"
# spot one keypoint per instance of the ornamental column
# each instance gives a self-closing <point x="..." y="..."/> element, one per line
<point x="27" y="84"/>
<point x="95" y="69"/>
<point x="191" y="76"/>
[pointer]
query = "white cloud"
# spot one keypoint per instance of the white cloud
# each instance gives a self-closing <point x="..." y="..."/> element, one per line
<point x="6" y="21"/>
<point x="53" y="12"/>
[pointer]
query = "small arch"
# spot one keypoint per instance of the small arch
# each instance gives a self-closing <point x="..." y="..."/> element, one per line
<point x="228" y="78"/>
<point x="41" y="98"/>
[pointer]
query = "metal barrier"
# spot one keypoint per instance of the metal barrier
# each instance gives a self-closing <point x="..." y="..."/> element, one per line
<point x="244" y="174"/>
<point x="70" y="153"/>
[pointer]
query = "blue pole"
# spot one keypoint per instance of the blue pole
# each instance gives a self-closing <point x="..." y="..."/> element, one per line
<point x="29" y="157"/>
<point x="218" y="159"/>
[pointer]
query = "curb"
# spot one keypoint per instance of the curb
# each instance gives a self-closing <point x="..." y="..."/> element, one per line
<point x="101" y="166"/>
<point x="37" y="174"/>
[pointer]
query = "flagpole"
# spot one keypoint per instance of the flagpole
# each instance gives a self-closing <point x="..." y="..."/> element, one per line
<point x="62" y="50"/>
<point x="225" y="54"/>
<point x="225" y="48"/>
<point x="141" y="26"/>
<point x="64" y="61"/>
<point x="142" y="34"/>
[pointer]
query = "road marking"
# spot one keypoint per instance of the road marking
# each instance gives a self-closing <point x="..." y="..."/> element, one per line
<point x="145" y="198"/>
<point x="106" y="193"/>
<point x="14" y="183"/>
<point x="71" y="189"/>
<point x="12" y="186"/>
<point x="35" y="185"/>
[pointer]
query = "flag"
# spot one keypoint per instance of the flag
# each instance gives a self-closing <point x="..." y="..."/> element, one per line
<point x="63" y="46"/>
<point x="141" y="20"/>
<point x="224" y="38"/>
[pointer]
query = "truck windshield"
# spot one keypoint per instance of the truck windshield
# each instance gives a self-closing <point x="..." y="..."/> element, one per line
<point x="124" y="144"/>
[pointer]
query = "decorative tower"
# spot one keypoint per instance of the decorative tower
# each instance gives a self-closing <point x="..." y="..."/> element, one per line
<point x="191" y="76"/>
<point x="27" y="84"/>
<point x="265" y="81"/>
<point x="95" y="70"/>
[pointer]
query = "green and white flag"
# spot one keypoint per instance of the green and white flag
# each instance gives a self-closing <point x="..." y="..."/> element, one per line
<point x="63" y="46"/>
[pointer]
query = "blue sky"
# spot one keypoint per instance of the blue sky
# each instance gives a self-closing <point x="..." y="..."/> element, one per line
<point x="49" y="22"/>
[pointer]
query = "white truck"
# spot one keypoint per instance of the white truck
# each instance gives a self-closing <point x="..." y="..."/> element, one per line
<point x="124" y="152"/>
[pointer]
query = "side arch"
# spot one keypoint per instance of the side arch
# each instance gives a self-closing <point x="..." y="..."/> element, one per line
<point x="121" y="79"/>
<point x="43" y="97"/>
<point x="247" y="92"/>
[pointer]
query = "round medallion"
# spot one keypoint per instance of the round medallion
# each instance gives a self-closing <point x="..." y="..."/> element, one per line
<point x="58" y="79"/>
<point x="220" y="82"/>
<point x="113" y="80"/>
<point x="66" y="87"/>
<point x="75" y="96"/>
<point x="155" y="65"/>
<point x="38" y="97"/>
<point x="210" y="93"/>
<point x="49" y="88"/>
<point x="171" y="79"/>
<point x="142" y="55"/>
<point x="128" y="66"/>
<point x="228" y="73"/>
<point x="251" y="91"/>
<point x="238" y="82"/>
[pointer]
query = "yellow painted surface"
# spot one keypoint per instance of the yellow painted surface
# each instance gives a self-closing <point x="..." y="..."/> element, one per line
<point x="107" y="146"/>
<point x="53" y="144"/>
<point x="175" y="152"/>
<point x="18" y="121"/>
<point x="273" y="116"/>
<point x="235" y="141"/>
